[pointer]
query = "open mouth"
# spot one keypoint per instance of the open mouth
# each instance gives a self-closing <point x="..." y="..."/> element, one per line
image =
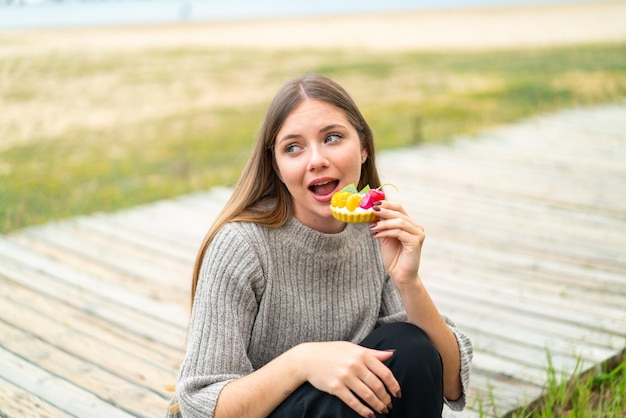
<point x="324" y="188"/>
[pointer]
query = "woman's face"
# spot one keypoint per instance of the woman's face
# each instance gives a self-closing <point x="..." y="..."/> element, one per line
<point x="318" y="152"/>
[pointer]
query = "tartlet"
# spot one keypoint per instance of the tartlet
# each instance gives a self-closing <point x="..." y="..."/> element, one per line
<point x="354" y="206"/>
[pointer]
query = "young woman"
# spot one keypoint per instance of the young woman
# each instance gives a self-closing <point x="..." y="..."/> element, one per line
<point x="296" y="314"/>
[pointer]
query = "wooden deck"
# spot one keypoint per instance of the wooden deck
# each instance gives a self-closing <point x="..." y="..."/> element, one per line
<point x="525" y="250"/>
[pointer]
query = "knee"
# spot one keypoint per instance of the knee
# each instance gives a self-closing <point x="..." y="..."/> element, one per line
<point x="417" y="366"/>
<point x="401" y="336"/>
<point x="415" y="355"/>
<point x="411" y="343"/>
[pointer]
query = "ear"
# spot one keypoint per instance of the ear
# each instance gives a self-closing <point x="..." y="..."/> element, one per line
<point x="363" y="155"/>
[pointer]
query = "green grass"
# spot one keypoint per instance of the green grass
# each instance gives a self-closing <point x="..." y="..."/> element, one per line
<point x="106" y="130"/>
<point x="55" y="179"/>
<point x="588" y="395"/>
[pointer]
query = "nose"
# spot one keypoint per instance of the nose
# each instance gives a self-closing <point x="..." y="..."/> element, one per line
<point x="317" y="158"/>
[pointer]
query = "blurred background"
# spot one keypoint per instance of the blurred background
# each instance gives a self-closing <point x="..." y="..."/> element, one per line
<point x="56" y="13"/>
<point x="108" y="104"/>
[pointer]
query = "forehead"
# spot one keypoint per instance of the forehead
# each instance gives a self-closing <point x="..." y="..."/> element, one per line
<point x="314" y="113"/>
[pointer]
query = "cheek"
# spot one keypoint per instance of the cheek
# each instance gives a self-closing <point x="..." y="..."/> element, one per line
<point x="352" y="162"/>
<point x="288" y="171"/>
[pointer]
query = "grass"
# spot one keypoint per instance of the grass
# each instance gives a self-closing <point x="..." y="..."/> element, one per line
<point x="588" y="395"/>
<point x="105" y="130"/>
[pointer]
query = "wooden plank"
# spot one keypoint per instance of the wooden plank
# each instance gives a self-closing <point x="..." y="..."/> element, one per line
<point x="117" y="318"/>
<point x="175" y="293"/>
<point x="480" y="206"/>
<point x="493" y="395"/>
<point x="508" y="186"/>
<point x="603" y="120"/>
<point x="550" y="322"/>
<point x="530" y="353"/>
<point x="604" y="318"/>
<point x="580" y="299"/>
<point x="102" y="353"/>
<point x="512" y="262"/>
<point x="56" y="391"/>
<point x="511" y="215"/>
<point x="16" y="402"/>
<point x="467" y="413"/>
<point x="495" y="266"/>
<point x="497" y="175"/>
<point x="548" y="143"/>
<point x="556" y="250"/>
<point x="164" y="219"/>
<point x="107" y="227"/>
<point x="520" y="265"/>
<point x="168" y="313"/>
<point x="528" y="145"/>
<point x="136" y="400"/>
<point x="126" y="259"/>
<point x="500" y="318"/>
<point x="193" y="215"/>
<point x="528" y="166"/>
<point x="94" y="325"/>
<point x="553" y="241"/>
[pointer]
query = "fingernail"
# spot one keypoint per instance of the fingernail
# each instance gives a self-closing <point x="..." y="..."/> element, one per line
<point x="385" y="411"/>
<point x="374" y="234"/>
<point x="377" y="203"/>
<point x="390" y="406"/>
<point x="373" y="225"/>
<point x="399" y="394"/>
<point x="376" y="208"/>
<point x="391" y="350"/>
<point x="371" y="415"/>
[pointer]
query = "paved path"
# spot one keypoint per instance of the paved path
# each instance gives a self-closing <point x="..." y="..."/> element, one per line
<point x="525" y="249"/>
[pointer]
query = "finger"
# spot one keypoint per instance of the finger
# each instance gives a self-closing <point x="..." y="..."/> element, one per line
<point x="350" y="399"/>
<point x="387" y="213"/>
<point x="386" y="377"/>
<point x="372" y="391"/>
<point x="405" y="233"/>
<point x="389" y="205"/>
<point x="400" y="224"/>
<point x="382" y="355"/>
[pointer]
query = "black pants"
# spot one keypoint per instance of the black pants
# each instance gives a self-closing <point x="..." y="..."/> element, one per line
<point x="416" y="365"/>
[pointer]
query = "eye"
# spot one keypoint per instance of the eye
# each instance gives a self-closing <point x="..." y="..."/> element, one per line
<point x="291" y="149"/>
<point x="334" y="137"/>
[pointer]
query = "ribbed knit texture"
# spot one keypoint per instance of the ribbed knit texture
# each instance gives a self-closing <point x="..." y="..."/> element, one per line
<point x="261" y="291"/>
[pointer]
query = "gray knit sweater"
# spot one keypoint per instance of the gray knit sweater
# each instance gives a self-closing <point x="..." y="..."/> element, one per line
<point x="261" y="291"/>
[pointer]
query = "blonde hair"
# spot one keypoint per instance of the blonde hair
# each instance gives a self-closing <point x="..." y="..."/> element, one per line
<point x="259" y="195"/>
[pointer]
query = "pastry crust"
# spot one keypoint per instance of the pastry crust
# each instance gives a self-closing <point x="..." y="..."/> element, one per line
<point x="364" y="216"/>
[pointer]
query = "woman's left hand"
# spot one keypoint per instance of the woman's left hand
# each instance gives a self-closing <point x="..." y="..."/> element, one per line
<point x="401" y="240"/>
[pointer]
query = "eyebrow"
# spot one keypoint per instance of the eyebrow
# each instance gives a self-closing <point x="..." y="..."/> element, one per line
<point x="324" y="129"/>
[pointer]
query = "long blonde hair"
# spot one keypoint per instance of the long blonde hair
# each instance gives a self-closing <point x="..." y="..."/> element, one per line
<point x="259" y="195"/>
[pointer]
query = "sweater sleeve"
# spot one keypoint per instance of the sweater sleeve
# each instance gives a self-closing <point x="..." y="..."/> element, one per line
<point x="392" y="310"/>
<point x="225" y="305"/>
<point x="466" y="352"/>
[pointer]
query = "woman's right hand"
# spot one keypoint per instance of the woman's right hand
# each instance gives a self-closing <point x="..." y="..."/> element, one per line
<point x="349" y="372"/>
